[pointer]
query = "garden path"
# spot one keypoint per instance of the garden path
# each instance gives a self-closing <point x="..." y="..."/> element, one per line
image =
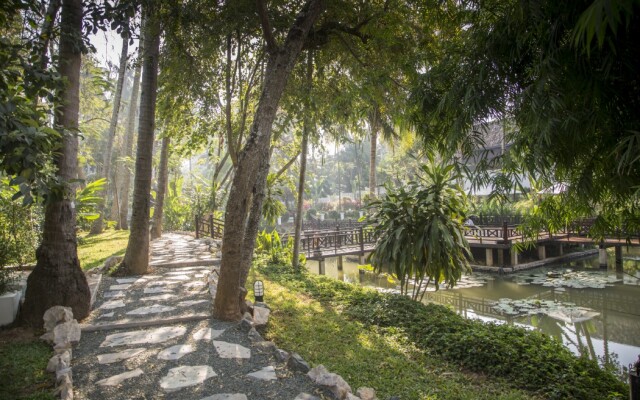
<point x="153" y="336"/>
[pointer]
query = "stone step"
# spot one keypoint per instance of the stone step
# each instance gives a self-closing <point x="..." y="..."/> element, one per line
<point x="137" y="323"/>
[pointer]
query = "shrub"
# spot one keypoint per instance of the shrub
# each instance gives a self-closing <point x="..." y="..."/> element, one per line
<point x="18" y="234"/>
<point x="529" y="360"/>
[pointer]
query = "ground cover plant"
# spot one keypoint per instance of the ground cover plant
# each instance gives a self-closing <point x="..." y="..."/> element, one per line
<point x="93" y="250"/>
<point x="23" y="358"/>
<point x="516" y="357"/>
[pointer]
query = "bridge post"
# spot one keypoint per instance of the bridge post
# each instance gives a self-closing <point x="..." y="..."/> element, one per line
<point x="340" y="265"/>
<point x="514" y="256"/>
<point x="560" y="249"/>
<point x="197" y="227"/>
<point x="501" y="257"/>
<point x="602" y="256"/>
<point x="619" y="259"/>
<point x="542" y="252"/>
<point x="505" y="231"/>
<point x="489" y="257"/>
<point x="321" y="266"/>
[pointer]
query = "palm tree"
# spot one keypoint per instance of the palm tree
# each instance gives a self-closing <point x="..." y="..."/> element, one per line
<point x="57" y="278"/>
<point x="136" y="259"/>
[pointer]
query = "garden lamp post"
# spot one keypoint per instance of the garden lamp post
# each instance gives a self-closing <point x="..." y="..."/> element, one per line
<point x="258" y="291"/>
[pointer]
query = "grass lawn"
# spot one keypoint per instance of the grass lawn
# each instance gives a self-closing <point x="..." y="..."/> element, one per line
<point x="369" y="356"/>
<point x="93" y="250"/>
<point x="23" y="359"/>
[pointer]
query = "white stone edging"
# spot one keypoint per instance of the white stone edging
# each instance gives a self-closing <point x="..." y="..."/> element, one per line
<point x="62" y="331"/>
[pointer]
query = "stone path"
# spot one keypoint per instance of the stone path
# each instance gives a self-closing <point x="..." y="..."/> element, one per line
<point x="153" y="336"/>
<point x="175" y="250"/>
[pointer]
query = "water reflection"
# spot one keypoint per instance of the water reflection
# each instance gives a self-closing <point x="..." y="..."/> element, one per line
<point x="593" y="312"/>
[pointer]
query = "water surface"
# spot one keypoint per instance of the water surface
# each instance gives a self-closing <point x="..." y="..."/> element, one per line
<point x="594" y="312"/>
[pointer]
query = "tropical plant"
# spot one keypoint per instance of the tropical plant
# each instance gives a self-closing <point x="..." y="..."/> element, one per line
<point x="276" y="251"/>
<point x="420" y="230"/>
<point x="272" y="208"/>
<point x="18" y="233"/>
<point x="88" y="202"/>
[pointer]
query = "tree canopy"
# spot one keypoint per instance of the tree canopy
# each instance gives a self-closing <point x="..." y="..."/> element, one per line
<point x="565" y="75"/>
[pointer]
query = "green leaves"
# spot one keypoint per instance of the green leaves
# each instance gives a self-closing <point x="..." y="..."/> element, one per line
<point x="420" y="230"/>
<point x="272" y="207"/>
<point x="88" y="202"/>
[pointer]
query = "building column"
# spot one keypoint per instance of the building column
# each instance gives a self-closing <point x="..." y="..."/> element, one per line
<point x="602" y="256"/>
<point x="489" y="257"/>
<point x="542" y="252"/>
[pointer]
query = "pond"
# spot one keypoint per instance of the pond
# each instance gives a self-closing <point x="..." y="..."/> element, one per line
<point x="594" y="312"/>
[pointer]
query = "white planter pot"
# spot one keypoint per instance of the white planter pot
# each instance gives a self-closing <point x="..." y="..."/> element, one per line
<point x="9" y="304"/>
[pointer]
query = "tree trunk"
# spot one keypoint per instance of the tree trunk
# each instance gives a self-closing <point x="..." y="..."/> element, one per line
<point x="136" y="259"/>
<point x="98" y="224"/>
<point x="374" y="122"/>
<point x="247" y="190"/>
<point x="47" y="32"/>
<point x="57" y="278"/>
<point x="163" y="177"/>
<point x="295" y="257"/>
<point x="128" y="148"/>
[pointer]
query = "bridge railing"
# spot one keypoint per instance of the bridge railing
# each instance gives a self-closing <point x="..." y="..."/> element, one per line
<point x="208" y="226"/>
<point x="316" y="225"/>
<point x="318" y="240"/>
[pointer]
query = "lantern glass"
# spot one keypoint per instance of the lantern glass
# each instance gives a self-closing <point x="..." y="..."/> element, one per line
<point x="258" y="290"/>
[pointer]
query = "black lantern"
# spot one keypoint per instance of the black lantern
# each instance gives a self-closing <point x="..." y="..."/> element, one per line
<point x="258" y="291"/>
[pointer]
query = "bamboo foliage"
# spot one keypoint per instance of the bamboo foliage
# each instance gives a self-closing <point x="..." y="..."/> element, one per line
<point x="420" y="231"/>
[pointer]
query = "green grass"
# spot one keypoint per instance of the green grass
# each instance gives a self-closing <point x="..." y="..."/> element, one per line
<point x="93" y="250"/>
<point x="417" y="351"/>
<point x="369" y="356"/>
<point x="22" y="370"/>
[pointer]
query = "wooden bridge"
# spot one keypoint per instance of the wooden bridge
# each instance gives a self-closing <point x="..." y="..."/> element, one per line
<point x="497" y="242"/>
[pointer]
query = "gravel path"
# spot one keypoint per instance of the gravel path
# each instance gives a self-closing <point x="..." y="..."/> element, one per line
<point x="156" y="359"/>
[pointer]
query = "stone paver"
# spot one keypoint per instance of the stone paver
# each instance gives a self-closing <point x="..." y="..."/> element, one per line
<point x="266" y="374"/>
<point x="184" y="376"/>
<point x="117" y="379"/>
<point x="175" y="352"/>
<point x="150" y="336"/>
<point x="146" y="341"/>
<point x="226" y="396"/>
<point x="119" y="356"/>
<point x="231" y="350"/>
<point x="153" y="309"/>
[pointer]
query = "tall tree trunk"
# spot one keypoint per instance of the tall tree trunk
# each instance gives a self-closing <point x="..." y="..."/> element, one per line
<point x="57" y="278"/>
<point x="98" y="225"/>
<point x="47" y="31"/>
<point x="136" y="259"/>
<point x="163" y="177"/>
<point x="295" y="257"/>
<point x="374" y="123"/>
<point x="247" y="190"/>
<point x="128" y="147"/>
